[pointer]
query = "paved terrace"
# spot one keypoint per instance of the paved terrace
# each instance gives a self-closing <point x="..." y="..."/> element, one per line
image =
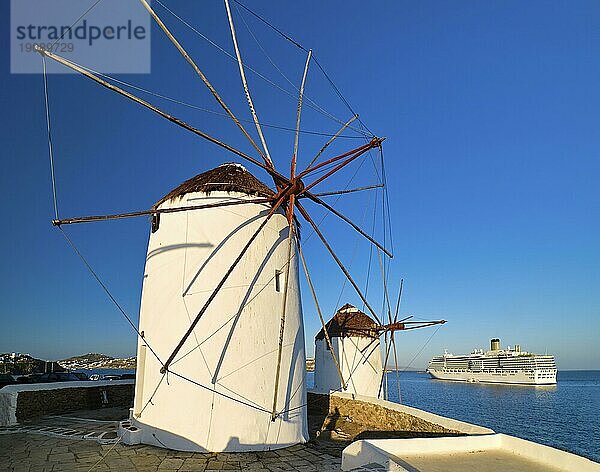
<point x="86" y="440"/>
<point x="39" y="453"/>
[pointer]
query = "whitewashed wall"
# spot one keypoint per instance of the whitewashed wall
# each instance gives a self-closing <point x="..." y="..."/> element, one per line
<point x="232" y="352"/>
<point x="360" y="363"/>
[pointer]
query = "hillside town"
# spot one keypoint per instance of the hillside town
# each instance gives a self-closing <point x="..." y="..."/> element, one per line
<point x="21" y="364"/>
<point x="97" y="361"/>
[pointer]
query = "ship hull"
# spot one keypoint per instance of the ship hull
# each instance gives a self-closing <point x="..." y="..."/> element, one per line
<point x="518" y="378"/>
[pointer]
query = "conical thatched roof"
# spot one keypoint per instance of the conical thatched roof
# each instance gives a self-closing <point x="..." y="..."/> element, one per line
<point x="350" y="321"/>
<point x="230" y="177"/>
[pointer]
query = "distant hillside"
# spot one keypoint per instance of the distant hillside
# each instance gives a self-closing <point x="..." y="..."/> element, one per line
<point x="89" y="358"/>
<point x="21" y="364"/>
<point x="97" y="361"/>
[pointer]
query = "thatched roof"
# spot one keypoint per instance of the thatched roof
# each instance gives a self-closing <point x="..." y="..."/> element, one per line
<point x="350" y="321"/>
<point x="230" y="177"/>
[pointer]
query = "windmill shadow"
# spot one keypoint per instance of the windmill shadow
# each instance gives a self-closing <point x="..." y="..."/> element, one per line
<point x="243" y="305"/>
<point x="219" y="246"/>
<point x="174" y="247"/>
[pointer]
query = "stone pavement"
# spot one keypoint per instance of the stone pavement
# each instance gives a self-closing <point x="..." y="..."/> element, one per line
<point x="37" y="452"/>
<point x="101" y="431"/>
<point x="87" y="440"/>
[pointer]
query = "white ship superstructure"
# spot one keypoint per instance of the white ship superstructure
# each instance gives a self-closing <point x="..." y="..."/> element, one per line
<point x="495" y="366"/>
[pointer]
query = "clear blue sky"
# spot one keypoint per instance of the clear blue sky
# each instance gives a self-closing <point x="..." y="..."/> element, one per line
<point x="491" y="113"/>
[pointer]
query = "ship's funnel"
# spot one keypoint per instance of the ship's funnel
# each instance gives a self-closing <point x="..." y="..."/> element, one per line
<point x="495" y="344"/>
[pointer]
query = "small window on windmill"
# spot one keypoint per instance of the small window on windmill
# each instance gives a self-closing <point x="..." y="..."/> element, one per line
<point x="278" y="277"/>
<point x="155" y="222"/>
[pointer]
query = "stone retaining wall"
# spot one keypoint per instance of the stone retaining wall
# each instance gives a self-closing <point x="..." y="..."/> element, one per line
<point x="52" y="402"/>
<point x="380" y="415"/>
<point x="381" y="418"/>
<point x="19" y="403"/>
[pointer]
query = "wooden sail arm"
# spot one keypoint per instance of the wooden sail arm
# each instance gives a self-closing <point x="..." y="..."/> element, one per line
<point x="343" y="192"/>
<point x="401" y="325"/>
<point x="336" y="168"/>
<point x="156" y="211"/>
<point x="395" y="326"/>
<point x="390" y="338"/>
<point x="282" y="180"/>
<point x="406" y="325"/>
<point x="266" y="156"/>
<point x="375" y="142"/>
<point x="71" y="65"/>
<point x="320" y="313"/>
<point x="350" y="156"/>
<point x="290" y="239"/>
<point x="301" y="191"/>
<point x="332" y="139"/>
<point x="394" y="339"/>
<point x="308" y="218"/>
<point x="204" y="79"/>
<point x="357" y="228"/>
<point x="298" y="114"/>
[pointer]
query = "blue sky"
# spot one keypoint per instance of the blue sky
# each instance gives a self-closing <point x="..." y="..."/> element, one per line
<point x="490" y="110"/>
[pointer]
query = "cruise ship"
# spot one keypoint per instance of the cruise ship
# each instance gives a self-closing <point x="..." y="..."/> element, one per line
<point x="511" y="366"/>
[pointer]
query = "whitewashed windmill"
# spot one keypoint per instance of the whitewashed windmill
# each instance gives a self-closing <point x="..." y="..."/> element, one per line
<point x="233" y="348"/>
<point x="221" y="346"/>
<point x="348" y="355"/>
<point x="354" y="343"/>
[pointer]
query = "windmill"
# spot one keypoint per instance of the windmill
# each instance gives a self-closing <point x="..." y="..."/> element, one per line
<point x="165" y="412"/>
<point x="348" y="352"/>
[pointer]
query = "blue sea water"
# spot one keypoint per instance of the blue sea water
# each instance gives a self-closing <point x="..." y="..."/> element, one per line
<point x="565" y="416"/>
<point x="106" y="371"/>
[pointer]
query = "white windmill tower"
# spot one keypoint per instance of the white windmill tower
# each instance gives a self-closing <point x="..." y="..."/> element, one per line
<point x="354" y="343"/>
<point x="348" y="356"/>
<point x="233" y="347"/>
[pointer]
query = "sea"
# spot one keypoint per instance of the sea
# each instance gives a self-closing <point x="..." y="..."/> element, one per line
<point x="105" y="371"/>
<point x="565" y="415"/>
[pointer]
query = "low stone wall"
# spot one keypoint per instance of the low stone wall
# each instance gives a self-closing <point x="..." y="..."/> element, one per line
<point x="379" y="417"/>
<point x="19" y="403"/>
<point x="371" y="414"/>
